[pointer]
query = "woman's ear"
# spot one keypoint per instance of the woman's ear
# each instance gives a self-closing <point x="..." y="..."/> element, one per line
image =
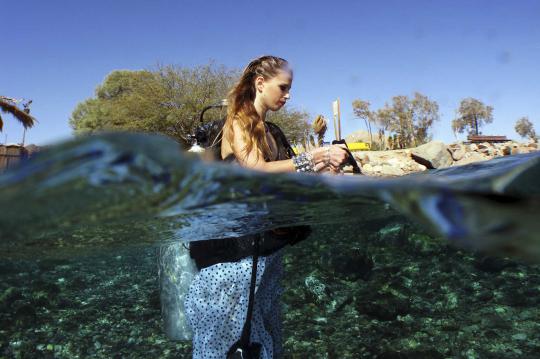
<point x="259" y="83"/>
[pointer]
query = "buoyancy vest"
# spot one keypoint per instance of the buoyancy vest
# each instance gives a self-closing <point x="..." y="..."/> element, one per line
<point x="209" y="252"/>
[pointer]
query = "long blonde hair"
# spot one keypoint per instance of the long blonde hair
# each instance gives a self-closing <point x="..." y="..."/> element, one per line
<point x="240" y="104"/>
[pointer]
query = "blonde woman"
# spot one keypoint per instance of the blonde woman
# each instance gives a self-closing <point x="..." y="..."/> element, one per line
<point x="233" y="304"/>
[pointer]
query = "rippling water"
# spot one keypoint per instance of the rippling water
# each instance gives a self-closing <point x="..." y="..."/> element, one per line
<point x="391" y="268"/>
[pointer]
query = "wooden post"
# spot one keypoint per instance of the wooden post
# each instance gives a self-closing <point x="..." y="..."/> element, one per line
<point x="23" y="137"/>
<point x="337" y="119"/>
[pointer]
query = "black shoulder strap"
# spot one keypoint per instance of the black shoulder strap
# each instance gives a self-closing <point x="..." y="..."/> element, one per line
<point x="243" y="349"/>
<point x="280" y="136"/>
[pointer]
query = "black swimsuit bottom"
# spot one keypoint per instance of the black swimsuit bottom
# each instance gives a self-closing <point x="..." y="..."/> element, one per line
<point x="213" y="251"/>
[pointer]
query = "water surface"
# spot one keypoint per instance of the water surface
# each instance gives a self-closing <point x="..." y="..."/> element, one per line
<point x="430" y="265"/>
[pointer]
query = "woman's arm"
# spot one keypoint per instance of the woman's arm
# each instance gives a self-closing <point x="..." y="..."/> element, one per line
<point x="322" y="157"/>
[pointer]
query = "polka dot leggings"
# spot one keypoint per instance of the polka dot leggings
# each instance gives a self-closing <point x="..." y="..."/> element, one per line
<point x="217" y="301"/>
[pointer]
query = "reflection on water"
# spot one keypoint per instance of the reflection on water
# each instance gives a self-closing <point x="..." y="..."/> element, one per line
<point x="79" y="244"/>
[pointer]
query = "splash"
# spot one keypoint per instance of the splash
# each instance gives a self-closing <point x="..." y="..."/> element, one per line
<point x="116" y="190"/>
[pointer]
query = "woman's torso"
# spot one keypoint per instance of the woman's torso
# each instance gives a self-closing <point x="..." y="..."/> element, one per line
<point x="277" y="153"/>
<point x="209" y="252"/>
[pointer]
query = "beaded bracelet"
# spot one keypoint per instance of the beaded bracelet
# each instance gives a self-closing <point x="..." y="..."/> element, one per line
<point x="304" y="162"/>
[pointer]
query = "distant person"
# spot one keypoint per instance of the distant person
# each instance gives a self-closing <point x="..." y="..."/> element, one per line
<point x="217" y="302"/>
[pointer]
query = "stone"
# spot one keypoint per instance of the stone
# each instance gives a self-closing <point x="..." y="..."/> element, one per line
<point x="362" y="158"/>
<point x="493" y="264"/>
<point x="433" y="154"/>
<point x="470" y="158"/>
<point x="394" y="161"/>
<point x="388" y="170"/>
<point x="316" y="290"/>
<point x="457" y="151"/>
<point x="353" y="265"/>
<point x="506" y="150"/>
<point x="384" y="307"/>
<point x="482" y="146"/>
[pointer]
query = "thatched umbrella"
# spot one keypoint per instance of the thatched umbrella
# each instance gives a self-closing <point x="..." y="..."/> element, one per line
<point x="319" y="127"/>
<point x="7" y="105"/>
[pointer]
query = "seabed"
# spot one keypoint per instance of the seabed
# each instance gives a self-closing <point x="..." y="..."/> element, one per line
<point x="387" y="290"/>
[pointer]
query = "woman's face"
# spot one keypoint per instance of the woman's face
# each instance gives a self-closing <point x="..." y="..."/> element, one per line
<point x="275" y="91"/>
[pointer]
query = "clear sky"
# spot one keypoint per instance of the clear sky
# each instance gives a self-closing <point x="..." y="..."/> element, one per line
<point x="56" y="52"/>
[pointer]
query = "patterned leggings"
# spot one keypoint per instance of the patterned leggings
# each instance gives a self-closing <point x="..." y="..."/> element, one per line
<point x="217" y="301"/>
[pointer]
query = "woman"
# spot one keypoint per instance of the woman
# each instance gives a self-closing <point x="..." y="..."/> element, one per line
<point x="217" y="302"/>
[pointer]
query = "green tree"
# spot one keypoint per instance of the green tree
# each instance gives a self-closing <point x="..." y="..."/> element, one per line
<point x="424" y="113"/>
<point x="294" y="123"/>
<point x="362" y="111"/>
<point x="471" y="115"/>
<point x="166" y="100"/>
<point x="525" y="128"/>
<point x="410" y="120"/>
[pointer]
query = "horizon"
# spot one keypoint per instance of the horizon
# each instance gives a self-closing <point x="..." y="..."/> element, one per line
<point x="372" y="51"/>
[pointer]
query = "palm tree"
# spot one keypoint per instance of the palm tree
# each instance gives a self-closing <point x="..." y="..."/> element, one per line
<point x="8" y="105"/>
<point x="320" y="127"/>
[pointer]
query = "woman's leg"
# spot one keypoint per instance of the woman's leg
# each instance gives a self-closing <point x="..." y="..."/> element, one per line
<point x="267" y="324"/>
<point x="216" y="306"/>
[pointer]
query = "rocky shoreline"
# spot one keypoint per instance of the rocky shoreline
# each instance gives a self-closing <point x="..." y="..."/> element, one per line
<point x="435" y="154"/>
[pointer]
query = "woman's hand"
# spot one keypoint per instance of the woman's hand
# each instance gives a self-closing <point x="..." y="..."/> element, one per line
<point x="329" y="159"/>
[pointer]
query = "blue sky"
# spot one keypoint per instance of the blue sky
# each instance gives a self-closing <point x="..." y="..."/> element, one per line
<point x="57" y="52"/>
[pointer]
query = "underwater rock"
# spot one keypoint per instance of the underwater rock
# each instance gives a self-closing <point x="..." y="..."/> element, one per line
<point x="391" y="355"/>
<point x="77" y="283"/>
<point x="393" y="234"/>
<point x="51" y="264"/>
<point x="484" y="295"/>
<point x="519" y="297"/>
<point x="9" y="296"/>
<point x="154" y="300"/>
<point x="412" y="354"/>
<point x="316" y="289"/>
<point x="25" y="315"/>
<point x="384" y="307"/>
<point x="493" y="264"/>
<point x="495" y="321"/>
<point x="352" y="265"/>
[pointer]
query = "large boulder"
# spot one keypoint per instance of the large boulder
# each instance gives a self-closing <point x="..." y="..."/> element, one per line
<point x="433" y="154"/>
